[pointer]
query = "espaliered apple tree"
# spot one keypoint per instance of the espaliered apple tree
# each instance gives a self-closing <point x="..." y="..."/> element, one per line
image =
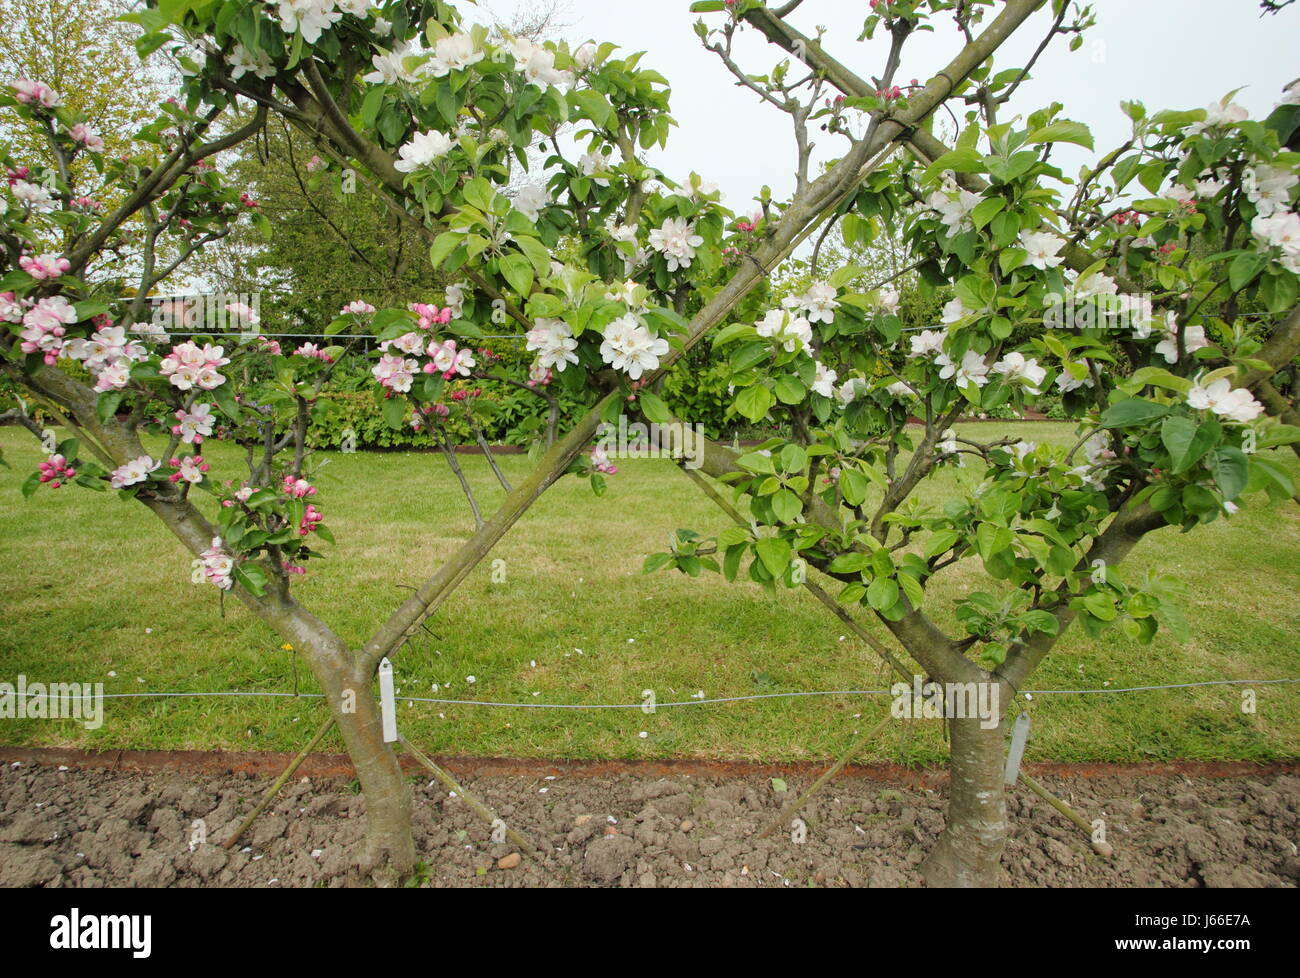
<point x="437" y="115"/>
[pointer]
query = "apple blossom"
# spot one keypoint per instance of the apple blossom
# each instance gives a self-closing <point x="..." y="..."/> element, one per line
<point x="1044" y="249"/>
<point x="189" y="365"/>
<point x="538" y="376"/>
<point x="697" y="188"/>
<point x="189" y="469"/>
<point x="11" y="310"/>
<point x="1218" y="115"/>
<point x="1269" y="187"/>
<point x="308" y="17"/>
<point x="600" y="462"/>
<point x="194" y="425"/>
<point x="954" y="207"/>
<point x="954" y="312"/>
<point x="552" y="340"/>
<point x="1236" y="405"/>
<point x="454" y="297"/>
<point x="538" y="64"/>
<point x="1193" y="339"/>
<point x="395" y="373"/>
<point x="412" y="344"/>
<point x="454" y="53"/>
<point x="35" y="93"/>
<point x="44" y="266"/>
<point x="850" y="390"/>
<point x="423" y="149"/>
<point x="218" y="567"/>
<point x="33" y="195"/>
<point x="971" y="370"/>
<point x="927" y="343"/>
<point x="792" y="333"/>
<point x="1281" y="230"/>
<point x="630" y="347"/>
<point x="56" y="470"/>
<point x="1067" y="382"/>
<point x="530" y="201"/>
<point x="390" y="67"/>
<point x="1015" y="366"/>
<point x="311" y="518"/>
<point x="242" y="61"/>
<point x="297" y="488"/>
<point x="88" y="138"/>
<point x="596" y="166"/>
<point x="357" y="308"/>
<point x="677" y="241"/>
<point x="818" y="303"/>
<point x="824" y="380"/>
<point x="133" y="472"/>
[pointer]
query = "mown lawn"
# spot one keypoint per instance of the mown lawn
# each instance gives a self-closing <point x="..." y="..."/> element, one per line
<point x="90" y="586"/>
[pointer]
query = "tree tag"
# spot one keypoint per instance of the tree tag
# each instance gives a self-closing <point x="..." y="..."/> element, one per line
<point x="1019" y="736"/>
<point x="387" y="702"/>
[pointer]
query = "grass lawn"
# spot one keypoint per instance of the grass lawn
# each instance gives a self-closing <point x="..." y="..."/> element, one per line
<point x="90" y="585"/>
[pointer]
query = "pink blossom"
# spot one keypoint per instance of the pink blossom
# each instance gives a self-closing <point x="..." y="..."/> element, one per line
<point x="83" y="134"/>
<point x="44" y="266"/>
<point x="35" y="93"/>
<point x="55" y="470"/>
<point x="298" y="488"/>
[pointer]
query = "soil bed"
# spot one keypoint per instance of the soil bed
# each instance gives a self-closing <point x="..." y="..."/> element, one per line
<point x="100" y="827"/>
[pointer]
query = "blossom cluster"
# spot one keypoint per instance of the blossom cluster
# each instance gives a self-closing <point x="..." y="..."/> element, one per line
<point x="189" y="366"/>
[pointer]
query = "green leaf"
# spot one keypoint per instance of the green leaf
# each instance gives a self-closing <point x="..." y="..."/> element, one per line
<point x="775" y="554"/>
<point x="253" y="579"/>
<point x="786" y="506"/>
<point x="655" y="561"/>
<point x="987" y="210"/>
<point x="850" y="563"/>
<point x="107" y="404"/>
<point x="1187" y="441"/>
<point x="394" y="412"/>
<point x="1063" y="131"/>
<point x="789" y="389"/>
<point x="882" y="594"/>
<point x="913" y="589"/>
<point x="854" y="486"/>
<point x="653" y="407"/>
<point x="443" y="246"/>
<point x="754" y="402"/>
<point x="941" y="543"/>
<point x="1132" y="412"/>
<point x="1230" y="469"/>
<point x="518" y="271"/>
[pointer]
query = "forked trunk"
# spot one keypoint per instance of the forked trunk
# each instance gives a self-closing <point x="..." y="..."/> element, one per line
<point x="389" y="850"/>
<point x="969" y="852"/>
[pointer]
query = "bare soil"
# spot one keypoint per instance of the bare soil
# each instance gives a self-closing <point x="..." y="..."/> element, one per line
<point x="95" y="828"/>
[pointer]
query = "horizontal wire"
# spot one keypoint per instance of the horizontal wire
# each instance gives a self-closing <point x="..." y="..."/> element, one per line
<point x="645" y="705"/>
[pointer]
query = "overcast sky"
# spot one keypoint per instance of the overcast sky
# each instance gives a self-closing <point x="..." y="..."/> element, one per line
<point x="1166" y="53"/>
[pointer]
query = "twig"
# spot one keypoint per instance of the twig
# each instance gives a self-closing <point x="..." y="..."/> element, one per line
<point x="272" y="791"/>
<point x="481" y="810"/>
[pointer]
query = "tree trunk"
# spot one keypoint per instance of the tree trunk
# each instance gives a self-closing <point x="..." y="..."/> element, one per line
<point x="389" y="850"/>
<point x="969" y="852"/>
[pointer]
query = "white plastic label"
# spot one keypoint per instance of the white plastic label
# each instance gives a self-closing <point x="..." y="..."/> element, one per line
<point x="1019" y="736"/>
<point x="387" y="702"/>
